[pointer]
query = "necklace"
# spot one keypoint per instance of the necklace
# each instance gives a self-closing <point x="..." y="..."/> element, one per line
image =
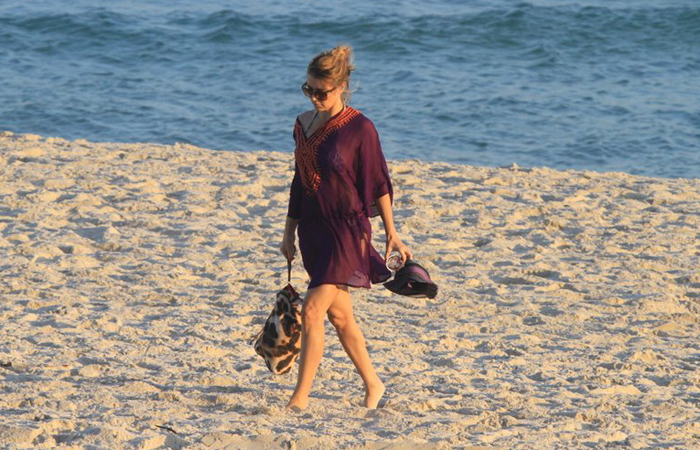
<point x="306" y="132"/>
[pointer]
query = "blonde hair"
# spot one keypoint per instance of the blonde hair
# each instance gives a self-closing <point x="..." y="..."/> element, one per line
<point x="335" y="66"/>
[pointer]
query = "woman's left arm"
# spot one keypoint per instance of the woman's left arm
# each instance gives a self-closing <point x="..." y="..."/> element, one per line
<point x="392" y="238"/>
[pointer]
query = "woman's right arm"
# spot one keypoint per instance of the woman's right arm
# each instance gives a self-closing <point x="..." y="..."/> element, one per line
<point x="288" y="248"/>
<point x="293" y="214"/>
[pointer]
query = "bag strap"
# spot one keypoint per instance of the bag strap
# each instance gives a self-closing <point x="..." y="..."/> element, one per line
<point x="289" y="271"/>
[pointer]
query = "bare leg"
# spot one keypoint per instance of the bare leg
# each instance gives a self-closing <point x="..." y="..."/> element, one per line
<point x="341" y="316"/>
<point x="316" y="303"/>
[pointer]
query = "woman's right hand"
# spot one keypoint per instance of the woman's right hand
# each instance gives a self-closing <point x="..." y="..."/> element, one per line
<point x="288" y="248"/>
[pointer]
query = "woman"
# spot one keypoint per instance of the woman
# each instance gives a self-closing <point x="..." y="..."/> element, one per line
<point x="340" y="180"/>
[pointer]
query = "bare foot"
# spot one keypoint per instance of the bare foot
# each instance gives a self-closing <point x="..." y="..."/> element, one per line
<point x="373" y="393"/>
<point x="297" y="405"/>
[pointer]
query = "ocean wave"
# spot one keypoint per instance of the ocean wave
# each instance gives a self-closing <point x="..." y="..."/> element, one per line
<point x="500" y="27"/>
<point x="104" y="24"/>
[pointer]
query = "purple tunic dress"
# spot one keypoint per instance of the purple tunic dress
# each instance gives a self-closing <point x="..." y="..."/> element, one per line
<point x="340" y="171"/>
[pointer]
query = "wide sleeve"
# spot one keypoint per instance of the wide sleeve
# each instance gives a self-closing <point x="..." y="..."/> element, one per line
<point x="295" y="193"/>
<point x="372" y="175"/>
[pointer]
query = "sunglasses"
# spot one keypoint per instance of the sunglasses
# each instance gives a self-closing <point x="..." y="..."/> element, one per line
<point x="320" y="95"/>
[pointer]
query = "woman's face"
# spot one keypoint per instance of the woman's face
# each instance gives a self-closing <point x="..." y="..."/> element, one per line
<point x="317" y="90"/>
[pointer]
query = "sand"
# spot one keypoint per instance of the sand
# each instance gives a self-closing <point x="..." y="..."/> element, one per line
<point x="133" y="276"/>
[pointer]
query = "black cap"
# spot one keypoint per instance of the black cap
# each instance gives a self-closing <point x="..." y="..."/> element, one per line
<point x="412" y="280"/>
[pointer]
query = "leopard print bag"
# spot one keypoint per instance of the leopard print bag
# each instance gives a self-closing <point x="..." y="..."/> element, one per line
<point x="279" y="342"/>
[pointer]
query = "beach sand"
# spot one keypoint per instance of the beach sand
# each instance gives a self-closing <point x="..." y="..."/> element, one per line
<point x="133" y="276"/>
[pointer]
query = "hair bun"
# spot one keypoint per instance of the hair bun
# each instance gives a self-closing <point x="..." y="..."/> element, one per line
<point x="344" y="52"/>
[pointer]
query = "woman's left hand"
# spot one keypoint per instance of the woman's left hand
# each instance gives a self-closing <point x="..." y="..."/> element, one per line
<point x="393" y="243"/>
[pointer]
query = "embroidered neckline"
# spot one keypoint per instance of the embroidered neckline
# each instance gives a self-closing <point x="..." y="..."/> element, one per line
<point x="306" y="152"/>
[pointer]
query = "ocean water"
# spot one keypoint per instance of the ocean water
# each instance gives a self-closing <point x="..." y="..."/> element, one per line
<point x="603" y="85"/>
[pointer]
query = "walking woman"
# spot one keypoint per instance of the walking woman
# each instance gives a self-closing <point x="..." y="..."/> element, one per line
<point x="340" y="180"/>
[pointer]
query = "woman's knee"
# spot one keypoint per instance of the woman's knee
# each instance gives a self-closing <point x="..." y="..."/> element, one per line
<point x="339" y="321"/>
<point x="340" y="313"/>
<point x="311" y="315"/>
<point x="316" y="305"/>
